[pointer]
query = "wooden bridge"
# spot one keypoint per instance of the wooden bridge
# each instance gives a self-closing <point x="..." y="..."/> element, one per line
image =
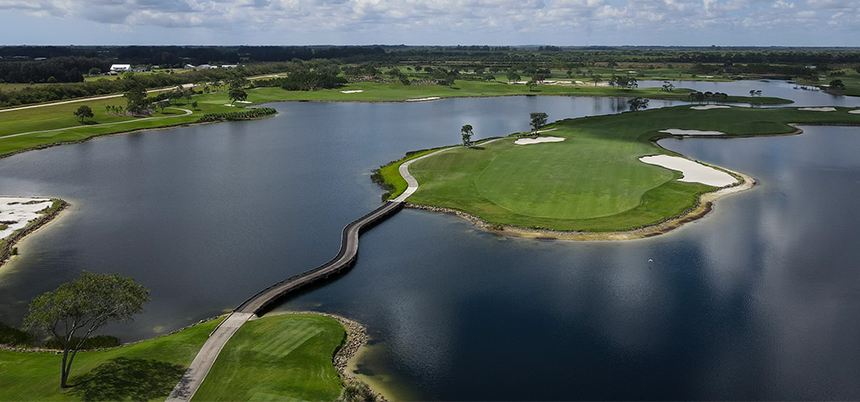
<point x="266" y="298"/>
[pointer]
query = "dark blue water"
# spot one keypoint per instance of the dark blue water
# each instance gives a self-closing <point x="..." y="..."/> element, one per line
<point x="759" y="300"/>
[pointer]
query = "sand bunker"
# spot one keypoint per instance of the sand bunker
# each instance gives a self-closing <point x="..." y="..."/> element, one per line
<point x="693" y="172"/>
<point x="818" y="109"/>
<point x="244" y="102"/>
<point x="854" y="111"/>
<point x="678" y="131"/>
<point x="709" y="107"/>
<point x="15" y="212"/>
<point x="352" y="91"/>
<point x="423" y="99"/>
<point x="538" y="140"/>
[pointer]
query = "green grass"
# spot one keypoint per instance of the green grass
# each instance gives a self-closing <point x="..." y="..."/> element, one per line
<point x="593" y="181"/>
<point x="373" y="92"/>
<point x="68" y="128"/>
<point x="284" y="358"/>
<point x="36" y="376"/>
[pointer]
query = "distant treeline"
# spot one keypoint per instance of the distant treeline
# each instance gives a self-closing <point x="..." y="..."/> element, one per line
<point x="47" y="93"/>
<point x="178" y="56"/>
<point x="60" y="69"/>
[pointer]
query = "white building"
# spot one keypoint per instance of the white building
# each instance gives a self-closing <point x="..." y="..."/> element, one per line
<point x="120" y="68"/>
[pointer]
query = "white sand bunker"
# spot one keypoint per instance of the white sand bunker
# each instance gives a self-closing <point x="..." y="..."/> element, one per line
<point x="352" y="91"/>
<point x="854" y="111"/>
<point x="538" y="140"/>
<point x="423" y="99"/>
<point x="709" y="107"/>
<point x="15" y="212"/>
<point x="693" y="172"/>
<point x="818" y="109"/>
<point x="678" y="131"/>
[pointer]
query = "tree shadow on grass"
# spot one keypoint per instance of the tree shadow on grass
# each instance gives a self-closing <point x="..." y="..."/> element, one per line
<point x="123" y="379"/>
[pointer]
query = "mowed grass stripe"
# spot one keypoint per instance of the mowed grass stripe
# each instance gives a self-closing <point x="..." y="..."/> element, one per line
<point x="285" y="357"/>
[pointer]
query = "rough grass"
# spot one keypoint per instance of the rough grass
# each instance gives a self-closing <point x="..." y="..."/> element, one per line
<point x="36" y="376"/>
<point x="286" y="358"/>
<point x="593" y="180"/>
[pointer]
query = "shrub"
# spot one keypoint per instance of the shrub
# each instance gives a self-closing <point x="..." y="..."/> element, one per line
<point x="14" y="337"/>
<point x="253" y="113"/>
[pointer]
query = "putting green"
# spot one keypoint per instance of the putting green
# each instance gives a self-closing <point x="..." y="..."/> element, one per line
<point x="593" y="181"/>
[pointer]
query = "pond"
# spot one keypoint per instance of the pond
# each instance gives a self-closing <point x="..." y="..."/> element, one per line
<point x="756" y="301"/>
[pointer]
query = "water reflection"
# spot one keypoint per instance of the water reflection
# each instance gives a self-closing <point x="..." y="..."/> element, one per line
<point x="756" y="301"/>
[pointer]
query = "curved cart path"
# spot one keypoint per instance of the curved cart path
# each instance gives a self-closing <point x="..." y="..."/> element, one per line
<point x="260" y="302"/>
<point x="412" y="183"/>
<point x="187" y="112"/>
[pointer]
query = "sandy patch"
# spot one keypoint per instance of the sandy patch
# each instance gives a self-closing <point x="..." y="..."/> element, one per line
<point x="693" y="172"/>
<point x="678" y="131"/>
<point x="709" y="107"/>
<point x="352" y="91"/>
<point x="227" y="104"/>
<point x="424" y="99"/>
<point x="244" y="102"/>
<point x="818" y="109"/>
<point x="538" y="140"/>
<point x="854" y="111"/>
<point x="16" y="212"/>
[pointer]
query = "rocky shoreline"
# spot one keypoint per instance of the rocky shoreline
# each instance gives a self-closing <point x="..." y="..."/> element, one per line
<point x="356" y="337"/>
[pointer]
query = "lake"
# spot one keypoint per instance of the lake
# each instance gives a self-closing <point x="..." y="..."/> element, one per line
<point x="756" y="301"/>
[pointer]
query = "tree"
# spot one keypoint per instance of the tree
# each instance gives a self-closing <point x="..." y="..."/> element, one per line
<point x="84" y="304"/>
<point x="237" y="91"/>
<point x="162" y="104"/>
<point x="637" y="103"/>
<point x="513" y="76"/>
<point x="531" y="84"/>
<point x="84" y="112"/>
<point x="95" y="71"/>
<point x="836" y="84"/>
<point x="538" y="121"/>
<point x="466" y="131"/>
<point x="136" y="99"/>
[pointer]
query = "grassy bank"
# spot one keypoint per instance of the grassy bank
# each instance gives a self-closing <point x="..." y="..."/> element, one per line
<point x="593" y="181"/>
<point x="286" y="357"/>
<point x="373" y="92"/>
<point x="36" y="376"/>
<point x="64" y="127"/>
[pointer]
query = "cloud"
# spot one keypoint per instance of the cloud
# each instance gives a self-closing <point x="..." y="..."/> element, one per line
<point x="395" y="21"/>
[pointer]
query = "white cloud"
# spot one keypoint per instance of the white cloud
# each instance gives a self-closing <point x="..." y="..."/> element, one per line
<point x="474" y="21"/>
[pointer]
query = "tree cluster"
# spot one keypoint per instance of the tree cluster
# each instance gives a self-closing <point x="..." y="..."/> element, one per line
<point x="61" y="69"/>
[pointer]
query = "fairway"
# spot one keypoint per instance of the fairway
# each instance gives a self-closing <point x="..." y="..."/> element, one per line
<point x="285" y="358"/>
<point x="36" y="376"/>
<point x="592" y="181"/>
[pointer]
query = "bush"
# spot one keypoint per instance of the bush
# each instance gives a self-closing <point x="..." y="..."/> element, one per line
<point x="248" y="114"/>
<point x="15" y="337"/>
<point x="95" y="342"/>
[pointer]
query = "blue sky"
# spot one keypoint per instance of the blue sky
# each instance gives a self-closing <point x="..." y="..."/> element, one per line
<point x="425" y="22"/>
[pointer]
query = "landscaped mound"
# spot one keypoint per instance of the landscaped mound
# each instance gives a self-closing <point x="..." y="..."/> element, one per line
<point x="593" y="181"/>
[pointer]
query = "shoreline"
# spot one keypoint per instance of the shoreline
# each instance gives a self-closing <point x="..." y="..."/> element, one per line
<point x="351" y="348"/>
<point x="9" y="243"/>
<point x="704" y="204"/>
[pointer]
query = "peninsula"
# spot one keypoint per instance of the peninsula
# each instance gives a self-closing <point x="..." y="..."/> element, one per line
<point x="596" y="178"/>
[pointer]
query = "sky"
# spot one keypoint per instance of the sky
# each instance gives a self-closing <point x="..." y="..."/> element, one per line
<point x="432" y="22"/>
